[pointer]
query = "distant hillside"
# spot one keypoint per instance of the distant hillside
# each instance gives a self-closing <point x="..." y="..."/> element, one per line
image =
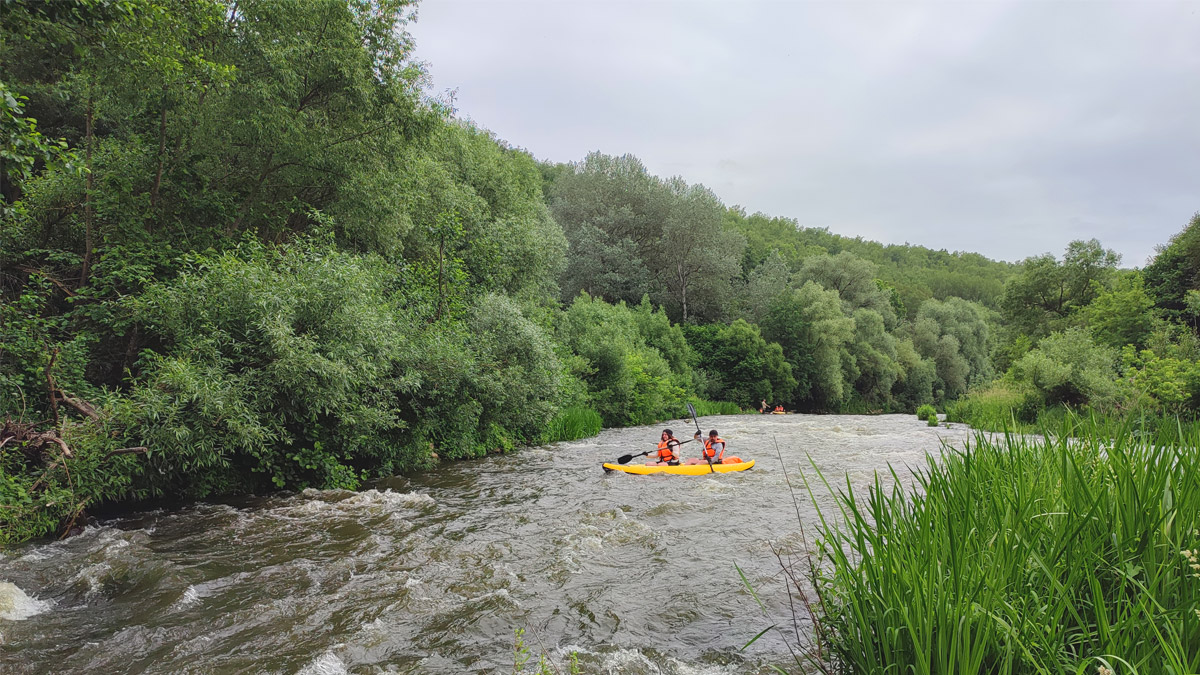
<point x="917" y="272"/>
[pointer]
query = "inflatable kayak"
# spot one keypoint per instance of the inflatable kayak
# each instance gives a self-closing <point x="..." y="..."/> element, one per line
<point x="681" y="470"/>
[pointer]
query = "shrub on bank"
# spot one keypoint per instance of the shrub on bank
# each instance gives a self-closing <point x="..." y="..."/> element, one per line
<point x="1057" y="554"/>
<point x="572" y="424"/>
<point x="924" y="411"/>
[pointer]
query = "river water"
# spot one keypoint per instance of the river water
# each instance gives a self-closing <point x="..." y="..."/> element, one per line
<point x="433" y="573"/>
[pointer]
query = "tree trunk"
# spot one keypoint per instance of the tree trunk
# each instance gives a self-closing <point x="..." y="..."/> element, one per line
<point x="262" y="177"/>
<point x="88" y="208"/>
<point x="682" y="289"/>
<point x="441" y="274"/>
<point x="162" y="150"/>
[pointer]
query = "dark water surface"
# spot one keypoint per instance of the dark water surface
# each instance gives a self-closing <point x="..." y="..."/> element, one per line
<point x="432" y="574"/>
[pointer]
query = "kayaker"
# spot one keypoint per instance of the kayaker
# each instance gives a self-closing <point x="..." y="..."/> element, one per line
<point x="667" y="450"/>
<point x="713" y="452"/>
<point x="714" y="448"/>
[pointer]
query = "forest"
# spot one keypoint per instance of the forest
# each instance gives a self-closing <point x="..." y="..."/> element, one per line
<point x="242" y="249"/>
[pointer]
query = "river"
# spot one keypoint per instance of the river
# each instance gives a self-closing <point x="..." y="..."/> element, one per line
<point x="433" y="573"/>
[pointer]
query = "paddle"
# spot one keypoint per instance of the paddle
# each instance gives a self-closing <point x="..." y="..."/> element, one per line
<point x="625" y="459"/>
<point x="692" y="409"/>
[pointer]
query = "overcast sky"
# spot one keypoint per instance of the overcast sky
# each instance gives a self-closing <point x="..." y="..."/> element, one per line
<point x="1007" y="128"/>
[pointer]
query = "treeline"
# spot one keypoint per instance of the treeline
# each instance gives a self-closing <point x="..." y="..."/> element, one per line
<point x="1081" y="333"/>
<point x="240" y="249"/>
<point x="774" y="311"/>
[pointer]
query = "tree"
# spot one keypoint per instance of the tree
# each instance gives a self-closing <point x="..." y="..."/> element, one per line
<point x="875" y="367"/>
<point x="1045" y="294"/>
<point x="612" y="212"/>
<point x="954" y="334"/>
<point x="1121" y="315"/>
<point x="744" y="367"/>
<point x="854" y="280"/>
<point x="1174" y="271"/>
<point x="697" y="258"/>
<point x="763" y="286"/>
<point x="815" y="335"/>
<point x="1069" y="368"/>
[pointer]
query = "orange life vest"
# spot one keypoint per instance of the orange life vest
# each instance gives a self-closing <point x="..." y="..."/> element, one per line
<point x="779" y="408"/>
<point x="665" y="452"/>
<point x="710" y="450"/>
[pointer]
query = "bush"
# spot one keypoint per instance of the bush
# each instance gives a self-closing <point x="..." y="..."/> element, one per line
<point x="628" y="381"/>
<point x="1069" y="368"/>
<point x="991" y="408"/>
<point x="924" y="411"/>
<point x="572" y="424"/>
<point x="931" y="419"/>
<point x="742" y="367"/>
<point x="706" y="408"/>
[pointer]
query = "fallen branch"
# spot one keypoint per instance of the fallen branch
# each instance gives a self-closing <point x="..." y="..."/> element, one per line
<point x="83" y="407"/>
<point x="58" y="284"/>
<point x="127" y="451"/>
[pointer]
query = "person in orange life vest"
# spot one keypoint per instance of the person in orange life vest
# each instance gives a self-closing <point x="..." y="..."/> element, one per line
<point x="778" y="408"/>
<point x="714" y="450"/>
<point x="668" y="450"/>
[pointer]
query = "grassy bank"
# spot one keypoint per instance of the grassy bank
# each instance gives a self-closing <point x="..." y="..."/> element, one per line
<point x="1070" y="553"/>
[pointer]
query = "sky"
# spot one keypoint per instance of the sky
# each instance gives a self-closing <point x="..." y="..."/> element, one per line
<point x="1004" y="128"/>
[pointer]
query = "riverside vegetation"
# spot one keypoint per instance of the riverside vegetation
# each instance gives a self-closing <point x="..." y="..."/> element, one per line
<point x="1076" y="551"/>
<point x="243" y="249"/>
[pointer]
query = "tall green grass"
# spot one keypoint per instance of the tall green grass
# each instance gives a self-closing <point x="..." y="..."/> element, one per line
<point x="1017" y="554"/>
<point x="571" y="424"/>
<point x="706" y="408"/>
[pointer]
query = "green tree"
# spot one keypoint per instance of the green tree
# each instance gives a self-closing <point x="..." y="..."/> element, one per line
<point x="697" y="258"/>
<point x="815" y="335"/>
<point x="1174" y="271"/>
<point x="744" y="368"/>
<point x="954" y="334"/>
<point x="1121" y="315"/>
<point x="1069" y="368"/>
<point x="854" y="280"/>
<point x="1045" y="294"/>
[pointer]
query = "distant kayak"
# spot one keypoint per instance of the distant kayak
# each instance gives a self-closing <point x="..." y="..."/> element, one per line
<point x="681" y="470"/>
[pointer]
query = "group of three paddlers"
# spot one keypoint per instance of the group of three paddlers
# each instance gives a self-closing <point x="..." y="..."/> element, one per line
<point x="713" y="453"/>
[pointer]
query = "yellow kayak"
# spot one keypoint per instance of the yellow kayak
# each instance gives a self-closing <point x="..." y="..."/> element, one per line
<point x="680" y="470"/>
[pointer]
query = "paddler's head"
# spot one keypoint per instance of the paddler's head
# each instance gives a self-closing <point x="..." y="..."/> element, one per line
<point x="712" y="434"/>
<point x="667" y="434"/>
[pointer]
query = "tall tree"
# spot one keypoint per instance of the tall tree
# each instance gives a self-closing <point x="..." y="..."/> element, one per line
<point x="697" y="258"/>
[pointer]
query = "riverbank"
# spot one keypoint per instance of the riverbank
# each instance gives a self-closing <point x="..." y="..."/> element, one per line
<point x="1068" y="553"/>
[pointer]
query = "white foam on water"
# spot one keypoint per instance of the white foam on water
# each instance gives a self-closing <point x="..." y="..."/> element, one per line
<point x="93" y="577"/>
<point x="190" y="597"/>
<point x="390" y="498"/>
<point x="325" y="664"/>
<point x="623" y="660"/>
<point x="15" y="605"/>
<point x="323" y="501"/>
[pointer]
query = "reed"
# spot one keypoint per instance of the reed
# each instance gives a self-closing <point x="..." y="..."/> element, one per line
<point x="572" y="423"/>
<point x="706" y="408"/>
<point x="1075" y="551"/>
